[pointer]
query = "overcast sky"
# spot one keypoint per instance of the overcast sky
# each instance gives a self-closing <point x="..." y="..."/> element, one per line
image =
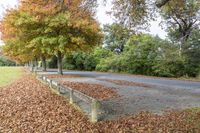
<point x="102" y="17"/>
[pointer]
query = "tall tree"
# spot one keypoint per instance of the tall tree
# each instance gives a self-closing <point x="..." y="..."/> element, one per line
<point x="116" y="36"/>
<point x="55" y="27"/>
<point x="182" y="16"/>
<point x="192" y="53"/>
<point x="15" y="46"/>
<point x="19" y="29"/>
<point x="133" y="14"/>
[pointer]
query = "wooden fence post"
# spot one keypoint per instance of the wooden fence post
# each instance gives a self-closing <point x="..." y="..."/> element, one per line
<point x="94" y="111"/>
<point x="35" y="71"/>
<point x="71" y="99"/>
<point x="51" y="84"/>
<point x="45" y="79"/>
<point x="58" y="87"/>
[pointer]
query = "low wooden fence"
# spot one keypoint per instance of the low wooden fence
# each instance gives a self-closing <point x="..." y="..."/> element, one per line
<point x="72" y="94"/>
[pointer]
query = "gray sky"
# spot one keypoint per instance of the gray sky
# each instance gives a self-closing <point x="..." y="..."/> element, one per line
<point x="102" y="17"/>
<point x="6" y="4"/>
<point x="155" y="29"/>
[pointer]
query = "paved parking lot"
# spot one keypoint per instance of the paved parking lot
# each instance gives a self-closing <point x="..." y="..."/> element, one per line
<point x="162" y="94"/>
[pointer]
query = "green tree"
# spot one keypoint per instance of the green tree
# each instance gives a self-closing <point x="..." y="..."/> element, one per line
<point x="169" y="63"/>
<point x="139" y="57"/>
<point x="86" y="60"/>
<point x="181" y="17"/>
<point x="6" y="62"/>
<point x="192" y="54"/>
<point x="133" y="14"/>
<point x="142" y="52"/>
<point x="116" y="36"/>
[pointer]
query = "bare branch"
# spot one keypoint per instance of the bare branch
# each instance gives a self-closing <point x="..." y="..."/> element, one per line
<point x="161" y="3"/>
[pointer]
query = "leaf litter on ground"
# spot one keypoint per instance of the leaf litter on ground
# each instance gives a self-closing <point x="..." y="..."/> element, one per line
<point x="28" y="106"/>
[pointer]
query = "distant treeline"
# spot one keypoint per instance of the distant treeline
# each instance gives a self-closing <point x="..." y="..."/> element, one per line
<point x="6" y="62"/>
<point x="142" y="54"/>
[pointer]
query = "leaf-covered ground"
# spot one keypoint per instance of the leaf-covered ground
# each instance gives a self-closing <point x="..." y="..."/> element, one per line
<point x="61" y="76"/>
<point x="27" y="106"/>
<point x="94" y="90"/>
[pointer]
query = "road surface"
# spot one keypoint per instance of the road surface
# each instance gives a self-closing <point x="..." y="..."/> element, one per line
<point x="164" y="94"/>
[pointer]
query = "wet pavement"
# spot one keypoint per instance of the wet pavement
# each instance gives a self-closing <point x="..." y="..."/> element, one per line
<point x="164" y="94"/>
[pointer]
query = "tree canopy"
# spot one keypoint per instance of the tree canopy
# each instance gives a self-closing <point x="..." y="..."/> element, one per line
<point x="116" y="36"/>
<point x="39" y="28"/>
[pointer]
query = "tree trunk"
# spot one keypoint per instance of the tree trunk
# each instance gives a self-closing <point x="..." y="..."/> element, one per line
<point x="29" y="64"/>
<point x="44" y="66"/>
<point x="59" y="63"/>
<point x="32" y="65"/>
<point x="161" y="3"/>
<point x="36" y="63"/>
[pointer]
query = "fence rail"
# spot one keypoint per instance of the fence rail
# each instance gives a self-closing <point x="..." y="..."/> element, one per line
<point x="72" y="94"/>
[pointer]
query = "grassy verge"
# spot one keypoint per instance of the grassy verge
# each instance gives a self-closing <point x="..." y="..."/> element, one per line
<point x="197" y="79"/>
<point x="9" y="74"/>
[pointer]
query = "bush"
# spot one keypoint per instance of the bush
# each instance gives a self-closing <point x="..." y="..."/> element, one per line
<point x="85" y="61"/>
<point x="138" y="57"/>
<point x="170" y="68"/>
<point x="6" y="62"/>
<point x="146" y="55"/>
<point x="114" y="63"/>
<point x="68" y="62"/>
<point x="143" y="54"/>
<point x="52" y="63"/>
<point x="192" y="54"/>
<point x="90" y="63"/>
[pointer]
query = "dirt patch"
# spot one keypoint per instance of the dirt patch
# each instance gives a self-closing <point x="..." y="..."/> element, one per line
<point x="126" y="83"/>
<point x="94" y="90"/>
<point x="61" y="76"/>
<point x="29" y="106"/>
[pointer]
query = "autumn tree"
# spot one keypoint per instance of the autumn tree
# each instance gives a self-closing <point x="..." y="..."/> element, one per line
<point x="42" y="28"/>
<point x="19" y="28"/>
<point x="15" y="45"/>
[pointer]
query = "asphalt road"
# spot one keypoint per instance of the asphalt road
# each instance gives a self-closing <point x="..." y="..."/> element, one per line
<point x="141" y="79"/>
<point x="166" y="94"/>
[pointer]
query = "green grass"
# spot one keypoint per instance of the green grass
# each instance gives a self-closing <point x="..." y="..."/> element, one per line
<point x="197" y="79"/>
<point x="9" y="74"/>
